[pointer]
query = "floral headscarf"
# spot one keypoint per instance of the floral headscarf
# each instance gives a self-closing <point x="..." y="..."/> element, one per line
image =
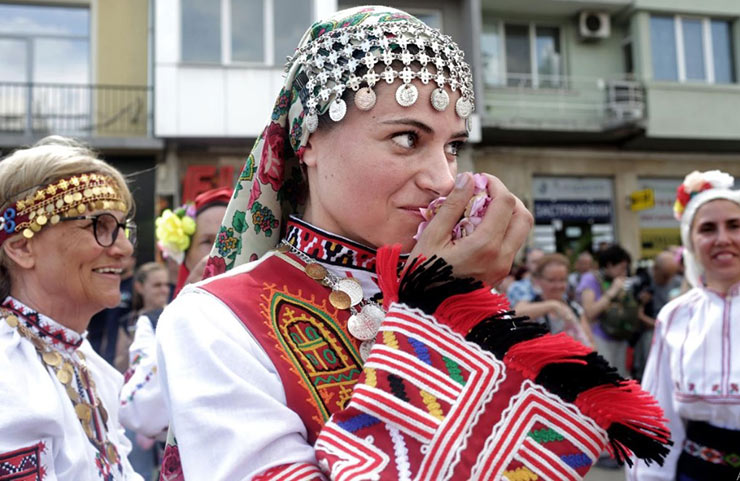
<point x="272" y="185"/>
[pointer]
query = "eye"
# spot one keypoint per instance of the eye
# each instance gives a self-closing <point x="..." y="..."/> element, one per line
<point x="407" y="140"/>
<point x="453" y="148"/>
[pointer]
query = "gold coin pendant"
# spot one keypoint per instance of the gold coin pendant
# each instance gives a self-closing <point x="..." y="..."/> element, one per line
<point x="52" y="358"/>
<point x="315" y="271"/>
<point x="340" y="300"/>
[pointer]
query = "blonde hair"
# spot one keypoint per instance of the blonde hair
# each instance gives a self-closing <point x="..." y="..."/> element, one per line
<point x="49" y="160"/>
<point x="548" y="259"/>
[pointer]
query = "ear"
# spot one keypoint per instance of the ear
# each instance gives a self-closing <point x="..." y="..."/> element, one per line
<point x="21" y="251"/>
<point x="310" y="153"/>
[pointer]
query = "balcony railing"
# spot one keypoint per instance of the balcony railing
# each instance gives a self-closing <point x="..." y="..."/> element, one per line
<point x="562" y="103"/>
<point x="36" y="109"/>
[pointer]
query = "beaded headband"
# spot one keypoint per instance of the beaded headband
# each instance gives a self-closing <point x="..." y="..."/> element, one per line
<point x="63" y="198"/>
<point x="330" y="62"/>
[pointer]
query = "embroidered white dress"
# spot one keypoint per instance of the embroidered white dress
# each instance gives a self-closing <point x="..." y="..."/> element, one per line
<point x="222" y="388"/>
<point x="143" y="407"/>
<point x="694" y="369"/>
<point x="40" y="434"/>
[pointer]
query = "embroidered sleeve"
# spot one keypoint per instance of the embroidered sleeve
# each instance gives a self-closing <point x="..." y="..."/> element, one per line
<point x="24" y="464"/>
<point x="143" y="407"/>
<point x="658" y="380"/>
<point x="456" y="389"/>
<point x="291" y="472"/>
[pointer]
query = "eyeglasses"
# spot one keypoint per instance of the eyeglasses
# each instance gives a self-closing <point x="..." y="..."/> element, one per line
<point x="106" y="226"/>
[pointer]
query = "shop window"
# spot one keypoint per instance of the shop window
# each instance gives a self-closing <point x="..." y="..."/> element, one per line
<point x="691" y="49"/>
<point x="521" y="55"/>
<point x="242" y="31"/>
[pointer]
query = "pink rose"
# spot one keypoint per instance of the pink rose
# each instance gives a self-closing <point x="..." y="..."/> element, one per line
<point x="474" y="211"/>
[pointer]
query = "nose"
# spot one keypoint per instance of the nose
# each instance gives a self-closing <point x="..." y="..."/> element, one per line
<point x="723" y="235"/>
<point x="122" y="246"/>
<point x="438" y="173"/>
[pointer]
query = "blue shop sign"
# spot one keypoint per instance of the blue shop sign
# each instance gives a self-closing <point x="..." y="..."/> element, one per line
<point x="596" y="211"/>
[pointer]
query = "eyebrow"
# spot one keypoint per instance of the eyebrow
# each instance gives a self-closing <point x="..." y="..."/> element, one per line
<point x="421" y="126"/>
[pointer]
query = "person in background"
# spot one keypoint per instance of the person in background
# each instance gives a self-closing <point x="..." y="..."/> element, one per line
<point x="551" y="306"/>
<point x="662" y="284"/>
<point x="523" y="289"/>
<point x="151" y="291"/>
<point x="596" y="291"/>
<point x="187" y="234"/>
<point x="313" y="350"/>
<point x="182" y="237"/>
<point x="584" y="263"/>
<point x="694" y="365"/>
<point x="108" y="323"/>
<point x="65" y="237"/>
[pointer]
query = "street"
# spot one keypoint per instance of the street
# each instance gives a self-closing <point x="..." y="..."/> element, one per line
<point x="599" y="474"/>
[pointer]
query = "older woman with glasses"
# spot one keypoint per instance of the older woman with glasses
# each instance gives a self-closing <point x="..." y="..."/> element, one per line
<point x="64" y="232"/>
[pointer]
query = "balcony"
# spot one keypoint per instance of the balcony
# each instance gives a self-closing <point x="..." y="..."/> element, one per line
<point x="564" y="105"/>
<point x="114" y="114"/>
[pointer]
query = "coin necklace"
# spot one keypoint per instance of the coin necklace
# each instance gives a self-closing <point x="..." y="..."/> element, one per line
<point x="64" y="370"/>
<point x="346" y="293"/>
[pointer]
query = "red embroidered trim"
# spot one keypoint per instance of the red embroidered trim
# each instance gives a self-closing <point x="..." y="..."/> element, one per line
<point x="329" y="248"/>
<point x="23" y="464"/>
<point x="291" y="472"/>
<point x="56" y="335"/>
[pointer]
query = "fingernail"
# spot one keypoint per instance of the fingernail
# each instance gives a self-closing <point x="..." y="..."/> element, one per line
<point x="461" y="180"/>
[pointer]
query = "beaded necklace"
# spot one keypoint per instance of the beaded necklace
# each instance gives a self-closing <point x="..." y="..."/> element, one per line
<point x="91" y="413"/>
<point x="346" y="293"/>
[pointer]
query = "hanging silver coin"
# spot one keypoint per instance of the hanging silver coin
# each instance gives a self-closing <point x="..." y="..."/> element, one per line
<point x="463" y="107"/>
<point x="406" y="95"/>
<point x="362" y="327"/>
<point x="440" y="99"/>
<point x="312" y="122"/>
<point x="352" y="288"/>
<point x="374" y="312"/>
<point x="365" y="98"/>
<point x="337" y="109"/>
<point x="365" y="348"/>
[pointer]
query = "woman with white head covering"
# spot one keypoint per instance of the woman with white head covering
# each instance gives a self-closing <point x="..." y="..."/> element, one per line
<point x="324" y="357"/>
<point x="64" y="235"/>
<point x="694" y="367"/>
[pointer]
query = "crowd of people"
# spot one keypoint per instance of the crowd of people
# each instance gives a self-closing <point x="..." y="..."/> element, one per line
<point x="330" y="338"/>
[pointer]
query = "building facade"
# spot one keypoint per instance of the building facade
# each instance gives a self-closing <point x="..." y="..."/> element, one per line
<point x="595" y="102"/>
<point x="81" y="69"/>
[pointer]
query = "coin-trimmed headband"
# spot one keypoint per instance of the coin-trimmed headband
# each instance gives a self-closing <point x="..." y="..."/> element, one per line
<point x="66" y="197"/>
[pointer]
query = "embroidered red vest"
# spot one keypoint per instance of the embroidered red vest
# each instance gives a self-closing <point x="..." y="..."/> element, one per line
<point x="306" y="338"/>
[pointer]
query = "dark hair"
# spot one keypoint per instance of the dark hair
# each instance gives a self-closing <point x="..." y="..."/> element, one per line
<point x="613" y="255"/>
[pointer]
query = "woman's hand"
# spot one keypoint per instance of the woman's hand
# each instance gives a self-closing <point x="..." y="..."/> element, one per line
<point x="487" y="253"/>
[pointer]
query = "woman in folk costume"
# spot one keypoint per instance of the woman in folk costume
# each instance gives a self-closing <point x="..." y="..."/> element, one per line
<point x="64" y="235"/>
<point x="324" y="358"/>
<point x="694" y="367"/>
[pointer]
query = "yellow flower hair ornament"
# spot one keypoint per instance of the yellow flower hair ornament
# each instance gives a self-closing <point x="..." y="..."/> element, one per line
<point x="174" y="230"/>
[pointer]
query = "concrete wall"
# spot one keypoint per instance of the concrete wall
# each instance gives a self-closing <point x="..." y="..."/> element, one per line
<point x="121" y="31"/>
<point x="693" y="111"/>
<point x="698" y="7"/>
<point x="624" y="167"/>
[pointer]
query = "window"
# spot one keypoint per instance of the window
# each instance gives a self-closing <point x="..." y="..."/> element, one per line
<point x="691" y="49"/>
<point x="243" y="31"/>
<point x="521" y="55"/>
<point x="44" y="44"/>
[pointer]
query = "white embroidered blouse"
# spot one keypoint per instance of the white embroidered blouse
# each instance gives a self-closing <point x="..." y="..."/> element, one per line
<point x="694" y="369"/>
<point x="143" y="407"/>
<point x="40" y="434"/>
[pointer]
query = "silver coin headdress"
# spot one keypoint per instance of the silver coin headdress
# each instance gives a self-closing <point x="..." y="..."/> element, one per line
<point x="357" y="57"/>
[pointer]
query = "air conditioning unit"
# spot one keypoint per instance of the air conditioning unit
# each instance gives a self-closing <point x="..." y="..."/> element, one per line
<point x="594" y="25"/>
